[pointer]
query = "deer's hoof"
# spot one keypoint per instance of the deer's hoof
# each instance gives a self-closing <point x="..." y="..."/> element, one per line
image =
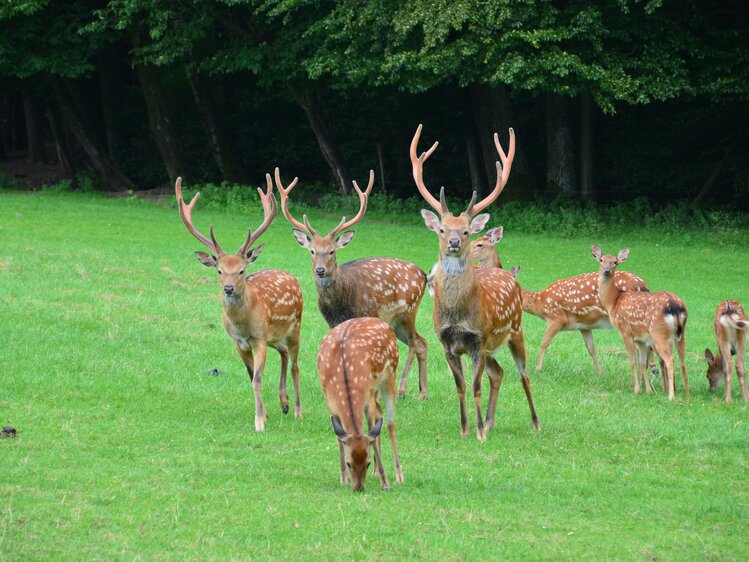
<point x="285" y="409"/>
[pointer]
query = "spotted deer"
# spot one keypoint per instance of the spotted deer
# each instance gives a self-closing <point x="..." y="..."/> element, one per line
<point x="356" y="365"/>
<point x="483" y="249"/>
<point x="644" y="319"/>
<point x="476" y="309"/>
<point x="730" y="325"/>
<point x="573" y="304"/>
<point x="386" y="288"/>
<point x="259" y="310"/>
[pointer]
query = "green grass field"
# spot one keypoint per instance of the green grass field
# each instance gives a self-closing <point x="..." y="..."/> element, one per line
<point x="129" y="450"/>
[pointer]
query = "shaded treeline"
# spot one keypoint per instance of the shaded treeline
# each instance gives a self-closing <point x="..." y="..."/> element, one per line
<point x="609" y="100"/>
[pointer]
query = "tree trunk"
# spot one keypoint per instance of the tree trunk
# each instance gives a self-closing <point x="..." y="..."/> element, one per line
<point x="64" y="154"/>
<point x="587" y="187"/>
<point x="492" y="112"/>
<point x="329" y="148"/>
<point x="472" y="146"/>
<point x="221" y="149"/>
<point x="560" y="161"/>
<point x="34" y="130"/>
<point x="708" y="185"/>
<point x="111" y="73"/>
<point x="381" y="161"/>
<point x="159" y="117"/>
<point x="96" y="153"/>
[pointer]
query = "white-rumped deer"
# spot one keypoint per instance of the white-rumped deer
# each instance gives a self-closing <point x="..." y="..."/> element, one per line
<point x="483" y="249"/>
<point x="644" y="320"/>
<point x="356" y="364"/>
<point x="573" y="304"/>
<point x="476" y="309"/>
<point x="386" y="288"/>
<point x="731" y="324"/>
<point x="259" y="310"/>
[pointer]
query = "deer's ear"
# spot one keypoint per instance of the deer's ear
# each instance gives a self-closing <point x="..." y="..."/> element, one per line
<point x="622" y="255"/>
<point x="495" y="234"/>
<point x="596" y="251"/>
<point x="207" y="259"/>
<point x="479" y="222"/>
<point x="709" y="356"/>
<point x="344" y="239"/>
<point x="375" y="431"/>
<point x="301" y="238"/>
<point x="254" y="253"/>
<point x="431" y="220"/>
<point x="338" y="429"/>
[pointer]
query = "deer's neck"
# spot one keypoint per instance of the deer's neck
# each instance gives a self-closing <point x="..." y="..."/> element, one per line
<point x="336" y="297"/>
<point x="607" y="292"/>
<point x="457" y="284"/>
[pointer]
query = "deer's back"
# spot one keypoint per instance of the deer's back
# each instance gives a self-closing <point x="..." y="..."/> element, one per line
<point x="376" y="287"/>
<point x="642" y="313"/>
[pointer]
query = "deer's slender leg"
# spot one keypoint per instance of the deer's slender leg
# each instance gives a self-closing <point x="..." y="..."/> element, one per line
<point x="725" y="351"/>
<point x="553" y="327"/>
<point x="740" y="367"/>
<point x="294" y="355"/>
<point x="283" y="395"/>
<point x="457" y="370"/>
<point x="388" y="397"/>
<point x="681" y="349"/>
<point x="517" y="349"/>
<point x="259" y="352"/>
<point x="590" y="345"/>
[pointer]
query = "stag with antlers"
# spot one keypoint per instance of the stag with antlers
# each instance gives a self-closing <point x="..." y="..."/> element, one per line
<point x="386" y="288"/>
<point x="476" y="309"/>
<point x="259" y="310"/>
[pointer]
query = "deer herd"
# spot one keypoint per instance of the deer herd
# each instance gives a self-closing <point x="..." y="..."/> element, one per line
<point x="370" y="303"/>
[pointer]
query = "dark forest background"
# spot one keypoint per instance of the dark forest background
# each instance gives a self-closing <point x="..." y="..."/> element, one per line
<point x="609" y="100"/>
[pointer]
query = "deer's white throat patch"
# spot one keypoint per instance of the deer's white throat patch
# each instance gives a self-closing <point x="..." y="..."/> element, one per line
<point x="453" y="265"/>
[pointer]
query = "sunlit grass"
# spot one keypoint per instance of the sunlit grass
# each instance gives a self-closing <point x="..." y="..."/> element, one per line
<point x="128" y="447"/>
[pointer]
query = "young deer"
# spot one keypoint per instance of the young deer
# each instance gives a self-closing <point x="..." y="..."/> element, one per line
<point x="573" y="304"/>
<point x="644" y="319"/>
<point x="730" y="325"/>
<point x="386" y="288"/>
<point x="476" y="309"/>
<point x="259" y="310"/>
<point x="483" y="251"/>
<point x="356" y="362"/>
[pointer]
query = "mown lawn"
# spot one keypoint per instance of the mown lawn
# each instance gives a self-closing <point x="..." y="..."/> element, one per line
<point x="129" y="449"/>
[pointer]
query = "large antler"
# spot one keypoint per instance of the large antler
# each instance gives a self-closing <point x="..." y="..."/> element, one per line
<point x="503" y="174"/>
<point x="417" y="164"/>
<point x="185" y="212"/>
<point x="363" y="198"/>
<point x="269" y="211"/>
<point x="284" y="193"/>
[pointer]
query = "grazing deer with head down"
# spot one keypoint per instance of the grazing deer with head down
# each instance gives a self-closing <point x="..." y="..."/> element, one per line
<point x="573" y="304"/>
<point x="476" y="309"/>
<point x="356" y="363"/>
<point x="483" y="251"/>
<point x="386" y="288"/>
<point x="644" y="320"/>
<point x="730" y="325"/>
<point x="259" y="310"/>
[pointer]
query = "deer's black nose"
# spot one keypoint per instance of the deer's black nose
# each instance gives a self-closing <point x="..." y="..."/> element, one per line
<point x="320" y="271"/>
<point x="228" y="289"/>
<point x="454" y="242"/>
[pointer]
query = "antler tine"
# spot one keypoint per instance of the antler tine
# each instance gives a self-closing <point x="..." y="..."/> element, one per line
<point x="284" y="194"/>
<point x="417" y="164"/>
<point x="185" y="213"/>
<point x="363" y="198"/>
<point x="268" y="199"/>
<point x="219" y="251"/>
<point x="469" y="209"/>
<point x="503" y="173"/>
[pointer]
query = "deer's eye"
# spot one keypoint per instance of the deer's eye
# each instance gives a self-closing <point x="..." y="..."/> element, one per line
<point x="348" y="464"/>
<point x="479" y="245"/>
<point x="219" y="271"/>
<point x="312" y="252"/>
<point x="331" y="252"/>
<point x="241" y="271"/>
<point x="442" y="230"/>
<point x="465" y="233"/>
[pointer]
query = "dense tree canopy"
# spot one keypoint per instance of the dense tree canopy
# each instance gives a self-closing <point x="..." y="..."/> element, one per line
<point x="139" y="91"/>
